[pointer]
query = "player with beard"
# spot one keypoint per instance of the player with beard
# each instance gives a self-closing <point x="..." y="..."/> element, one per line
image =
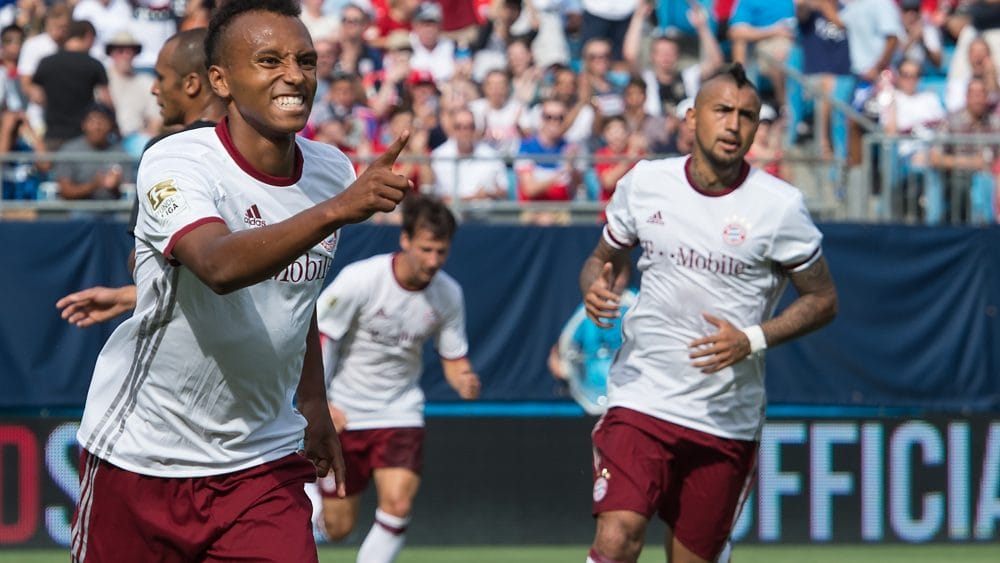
<point x="719" y="241"/>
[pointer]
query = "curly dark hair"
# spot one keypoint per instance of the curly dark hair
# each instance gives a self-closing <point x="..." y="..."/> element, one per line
<point x="228" y="11"/>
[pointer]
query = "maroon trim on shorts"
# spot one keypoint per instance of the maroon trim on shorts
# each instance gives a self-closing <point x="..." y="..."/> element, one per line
<point x="168" y="251"/>
<point x="744" y="172"/>
<point x="222" y="130"/>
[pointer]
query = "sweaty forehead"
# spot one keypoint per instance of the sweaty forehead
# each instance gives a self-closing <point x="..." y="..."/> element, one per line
<point x="257" y="30"/>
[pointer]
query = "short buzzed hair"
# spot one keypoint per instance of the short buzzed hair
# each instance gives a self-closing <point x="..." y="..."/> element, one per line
<point x="189" y="56"/>
<point x="233" y="8"/>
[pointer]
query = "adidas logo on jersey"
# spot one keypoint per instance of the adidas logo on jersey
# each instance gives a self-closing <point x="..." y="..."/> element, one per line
<point x="655" y="218"/>
<point x="252" y="217"/>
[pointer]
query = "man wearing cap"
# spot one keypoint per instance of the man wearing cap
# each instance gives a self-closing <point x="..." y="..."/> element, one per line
<point x="95" y="178"/>
<point x="431" y="51"/>
<point x="138" y="113"/>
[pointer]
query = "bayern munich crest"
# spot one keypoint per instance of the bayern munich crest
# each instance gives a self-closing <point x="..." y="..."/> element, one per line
<point x="600" y="489"/>
<point x="735" y="231"/>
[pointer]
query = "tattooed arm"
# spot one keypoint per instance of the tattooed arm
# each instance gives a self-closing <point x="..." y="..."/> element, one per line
<point x="815" y="306"/>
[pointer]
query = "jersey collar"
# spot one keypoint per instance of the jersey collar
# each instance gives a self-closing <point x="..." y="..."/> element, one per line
<point x="222" y="130"/>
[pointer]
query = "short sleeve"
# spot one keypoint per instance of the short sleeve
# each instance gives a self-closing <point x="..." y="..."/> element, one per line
<point x="339" y="303"/>
<point x="620" y="232"/>
<point x="174" y="198"/>
<point x="452" y="342"/>
<point x="797" y="241"/>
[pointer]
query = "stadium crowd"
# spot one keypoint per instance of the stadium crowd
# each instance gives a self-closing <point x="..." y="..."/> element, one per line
<point x="542" y="100"/>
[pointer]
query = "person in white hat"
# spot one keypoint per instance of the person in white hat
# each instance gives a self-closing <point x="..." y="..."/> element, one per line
<point x="138" y="114"/>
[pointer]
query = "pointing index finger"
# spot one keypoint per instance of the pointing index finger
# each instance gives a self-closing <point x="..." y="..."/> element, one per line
<point x="388" y="158"/>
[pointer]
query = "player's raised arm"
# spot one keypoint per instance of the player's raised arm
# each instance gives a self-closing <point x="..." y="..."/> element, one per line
<point x="227" y="261"/>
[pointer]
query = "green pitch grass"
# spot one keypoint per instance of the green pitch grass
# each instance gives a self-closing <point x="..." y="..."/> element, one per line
<point x="652" y="554"/>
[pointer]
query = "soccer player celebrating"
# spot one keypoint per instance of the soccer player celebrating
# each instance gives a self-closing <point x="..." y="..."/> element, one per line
<point x="719" y="239"/>
<point x="189" y="433"/>
<point x="376" y="316"/>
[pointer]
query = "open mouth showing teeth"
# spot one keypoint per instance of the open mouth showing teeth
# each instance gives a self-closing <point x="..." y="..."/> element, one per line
<point x="289" y="102"/>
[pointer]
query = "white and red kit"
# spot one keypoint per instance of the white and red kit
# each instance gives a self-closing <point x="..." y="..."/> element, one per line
<point x="380" y="329"/>
<point x="727" y="254"/>
<point x="198" y="384"/>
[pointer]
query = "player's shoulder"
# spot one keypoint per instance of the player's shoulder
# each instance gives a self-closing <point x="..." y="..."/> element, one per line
<point x="768" y="185"/>
<point x="654" y="174"/>
<point x="186" y="149"/>
<point x="446" y="286"/>
<point x="367" y="267"/>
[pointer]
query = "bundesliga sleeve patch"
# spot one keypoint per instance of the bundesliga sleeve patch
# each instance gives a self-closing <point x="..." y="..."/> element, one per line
<point x="166" y="199"/>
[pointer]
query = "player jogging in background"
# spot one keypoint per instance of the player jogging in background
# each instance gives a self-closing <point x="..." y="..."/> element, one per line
<point x="200" y="401"/>
<point x="718" y="239"/>
<point x="376" y="316"/>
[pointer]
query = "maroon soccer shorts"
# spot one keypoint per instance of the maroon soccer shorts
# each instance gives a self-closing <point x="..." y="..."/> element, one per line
<point x="376" y="448"/>
<point x="695" y="481"/>
<point x="258" y="514"/>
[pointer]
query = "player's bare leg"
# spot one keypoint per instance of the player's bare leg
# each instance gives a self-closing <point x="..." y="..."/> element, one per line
<point x="619" y="538"/>
<point x="396" y="489"/>
<point x="339" y="516"/>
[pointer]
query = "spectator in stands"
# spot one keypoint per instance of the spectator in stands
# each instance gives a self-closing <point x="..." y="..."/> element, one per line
<point x="319" y="24"/>
<point x="525" y="77"/>
<point x="431" y="51"/>
<point x="557" y="19"/>
<point x="666" y="81"/>
<point x="466" y="169"/>
<point x="655" y="129"/>
<point x="67" y="82"/>
<point x="455" y="94"/>
<point x="768" y="26"/>
<point x="109" y="17"/>
<point x="341" y="104"/>
<point x="497" y="114"/>
<point x="545" y="167"/>
<point x="982" y="65"/>
<point x="909" y="112"/>
<point x="386" y="87"/>
<point x="96" y="178"/>
<point x="37" y="47"/>
<point x="923" y="42"/>
<point x="964" y="188"/>
<point x="873" y="31"/>
<point x="398" y="17"/>
<point x="607" y="19"/>
<point x="20" y="179"/>
<point x="460" y="20"/>
<point x="356" y="54"/>
<point x="424" y="98"/>
<point x="619" y="154"/>
<point x="766" y="151"/>
<point x="490" y="46"/>
<point x="137" y="112"/>
<point x="826" y="62"/>
<point x="326" y="65"/>
<point x="597" y="81"/>
<point x="153" y="23"/>
<point x="578" y="127"/>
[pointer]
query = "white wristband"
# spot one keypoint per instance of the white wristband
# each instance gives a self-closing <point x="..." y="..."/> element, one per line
<point x="755" y="335"/>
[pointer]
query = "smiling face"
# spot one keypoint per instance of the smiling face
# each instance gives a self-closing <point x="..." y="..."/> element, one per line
<point x="724" y="120"/>
<point x="267" y="73"/>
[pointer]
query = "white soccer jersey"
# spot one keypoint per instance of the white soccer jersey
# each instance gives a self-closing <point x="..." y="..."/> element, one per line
<point x="381" y="329"/>
<point x="726" y="254"/>
<point x="196" y="383"/>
